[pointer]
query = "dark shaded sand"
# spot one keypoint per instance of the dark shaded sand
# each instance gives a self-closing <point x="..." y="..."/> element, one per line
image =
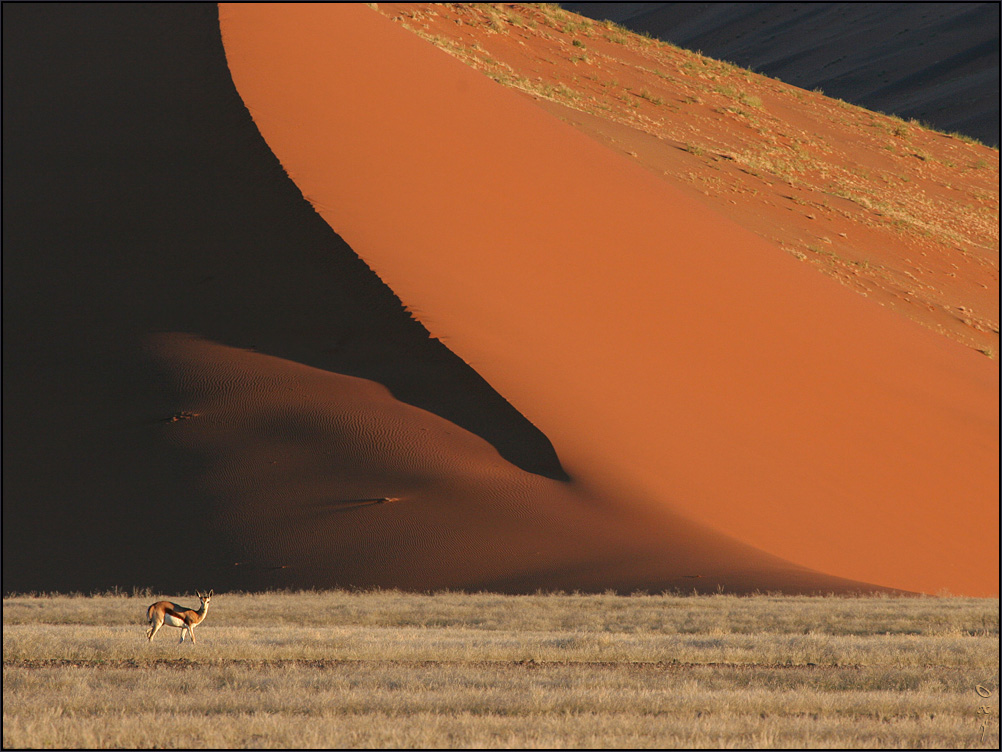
<point x="937" y="62"/>
<point x="677" y="359"/>
<point x="190" y="352"/>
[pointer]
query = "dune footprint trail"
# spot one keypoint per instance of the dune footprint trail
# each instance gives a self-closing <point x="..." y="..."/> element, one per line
<point x="677" y="361"/>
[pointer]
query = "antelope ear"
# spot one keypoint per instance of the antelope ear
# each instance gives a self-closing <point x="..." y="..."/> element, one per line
<point x="199" y="594"/>
<point x="211" y="592"/>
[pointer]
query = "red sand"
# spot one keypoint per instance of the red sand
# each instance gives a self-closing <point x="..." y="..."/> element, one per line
<point x="678" y="356"/>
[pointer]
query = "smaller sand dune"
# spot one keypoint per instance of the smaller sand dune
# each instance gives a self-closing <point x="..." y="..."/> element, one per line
<point x="325" y="480"/>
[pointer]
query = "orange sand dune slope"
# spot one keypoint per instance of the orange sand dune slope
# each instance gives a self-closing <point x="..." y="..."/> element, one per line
<point x="677" y="357"/>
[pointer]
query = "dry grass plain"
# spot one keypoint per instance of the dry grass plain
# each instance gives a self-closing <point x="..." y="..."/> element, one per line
<point x="392" y="669"/>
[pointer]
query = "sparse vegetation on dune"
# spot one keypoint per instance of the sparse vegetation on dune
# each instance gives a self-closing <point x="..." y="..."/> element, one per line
<point x="925" y="194"/>
<point x="331" y="669"/>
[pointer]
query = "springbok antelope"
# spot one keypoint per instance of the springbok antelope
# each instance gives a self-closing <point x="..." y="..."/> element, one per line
<point x="173" y="615"/>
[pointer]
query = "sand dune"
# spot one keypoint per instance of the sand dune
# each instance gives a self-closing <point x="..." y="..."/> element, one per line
<point x="677" y="360"/>
<point x="325" y="478"/>
<point x="204" y="387"/>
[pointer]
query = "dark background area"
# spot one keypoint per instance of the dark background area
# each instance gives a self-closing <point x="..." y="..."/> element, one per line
<point x="935" y="62"/>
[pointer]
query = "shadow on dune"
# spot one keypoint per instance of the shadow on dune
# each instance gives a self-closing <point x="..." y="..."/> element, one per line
<point x="140" y="198"/>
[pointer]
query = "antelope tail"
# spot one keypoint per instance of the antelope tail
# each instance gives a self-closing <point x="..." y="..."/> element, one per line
<point x="149" y="613"/>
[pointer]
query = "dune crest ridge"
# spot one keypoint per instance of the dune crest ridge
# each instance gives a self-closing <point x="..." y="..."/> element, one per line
<point x="678" y="355"/>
